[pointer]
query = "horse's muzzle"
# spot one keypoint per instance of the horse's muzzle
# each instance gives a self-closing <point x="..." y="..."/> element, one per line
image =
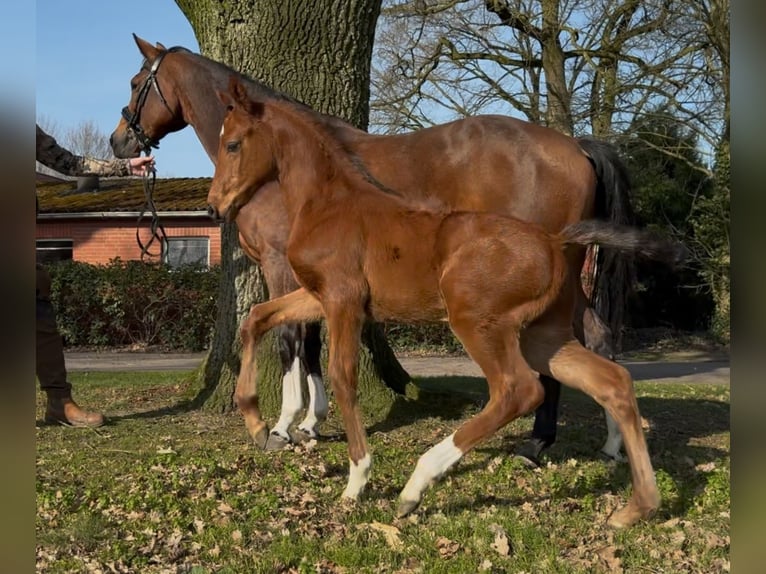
<point x="124" y="144"/>
<point x="213" y="213"/>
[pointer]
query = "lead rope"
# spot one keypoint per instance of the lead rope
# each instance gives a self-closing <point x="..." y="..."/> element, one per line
<point x="156" y="227"/>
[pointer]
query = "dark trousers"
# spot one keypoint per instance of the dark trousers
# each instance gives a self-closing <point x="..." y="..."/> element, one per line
<point x="49" y="357"/>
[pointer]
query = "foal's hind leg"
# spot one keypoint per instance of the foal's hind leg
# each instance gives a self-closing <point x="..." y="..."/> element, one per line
<point x="592" y="332"/>
<point x="552" y="350"/>
<point x="297" y="306"/>
<point x="344" y="328"/>
<point x="596" y="336"/>
<point x="514" y="390"/>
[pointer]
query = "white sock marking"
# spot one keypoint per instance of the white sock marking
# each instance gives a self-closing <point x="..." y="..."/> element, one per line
<point x="613" y="442"/>
<point x="357" y="477"/>
<point x="292" y="399"/>
<point x="317" y="411"/>
<point x="431" y="466"/>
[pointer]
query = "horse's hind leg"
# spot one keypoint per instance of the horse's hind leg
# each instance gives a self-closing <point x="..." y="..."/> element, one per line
<point x="289" y="343"/>
<point x="555" y="352"/>
<point x="318" y="407"/>
<point x="297" y="306"/>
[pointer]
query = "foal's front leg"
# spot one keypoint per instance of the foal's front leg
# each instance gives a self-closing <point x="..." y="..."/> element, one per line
<point x="297" y="306"/>
<point x="344" y="328"/>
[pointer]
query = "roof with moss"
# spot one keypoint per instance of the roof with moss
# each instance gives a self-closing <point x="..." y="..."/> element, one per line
<point x="120" y="194"/>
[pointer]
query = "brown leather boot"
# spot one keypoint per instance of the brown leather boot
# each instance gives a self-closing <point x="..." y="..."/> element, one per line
<point x="64" y="410"/>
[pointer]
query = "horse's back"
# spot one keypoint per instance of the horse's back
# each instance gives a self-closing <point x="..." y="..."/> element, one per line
<point x="488" y="163"/>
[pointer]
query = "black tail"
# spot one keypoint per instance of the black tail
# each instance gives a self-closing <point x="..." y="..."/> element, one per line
<point x="614" y="276"/>
<point x="626" y="240"/>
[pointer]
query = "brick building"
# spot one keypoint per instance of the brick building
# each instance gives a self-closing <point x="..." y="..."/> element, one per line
<point x="95" y="219"/>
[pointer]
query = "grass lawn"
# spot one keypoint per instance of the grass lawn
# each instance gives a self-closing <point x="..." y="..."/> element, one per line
<point x="161" y="489"/>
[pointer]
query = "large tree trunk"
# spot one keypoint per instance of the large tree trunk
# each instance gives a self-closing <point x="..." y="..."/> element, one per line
<point x="319" y="52"/>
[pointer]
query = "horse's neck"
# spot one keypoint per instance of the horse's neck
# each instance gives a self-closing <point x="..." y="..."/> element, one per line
<point x="204" y="112"/>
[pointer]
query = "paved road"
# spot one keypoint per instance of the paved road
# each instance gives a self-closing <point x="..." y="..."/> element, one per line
<point x="713" y="370"/>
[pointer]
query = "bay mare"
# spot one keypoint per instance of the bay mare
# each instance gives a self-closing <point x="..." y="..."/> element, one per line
<point x="360" y="252"/>
<point x="487" y="163"/>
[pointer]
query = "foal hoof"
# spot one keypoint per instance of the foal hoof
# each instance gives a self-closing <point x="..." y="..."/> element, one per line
<point x="276" y="442"/>
<point x="406" y="507"/>
<point x="628" y="516"/>
<point x="261" y="437"/>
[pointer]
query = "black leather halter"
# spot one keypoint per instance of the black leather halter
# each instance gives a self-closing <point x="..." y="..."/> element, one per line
<point x="134" y="118"/>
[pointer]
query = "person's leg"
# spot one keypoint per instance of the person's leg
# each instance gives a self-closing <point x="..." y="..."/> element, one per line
<point x="50" y="366"/>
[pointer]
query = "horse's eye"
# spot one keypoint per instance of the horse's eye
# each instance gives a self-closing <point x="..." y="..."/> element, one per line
<point x="232" y="147"/>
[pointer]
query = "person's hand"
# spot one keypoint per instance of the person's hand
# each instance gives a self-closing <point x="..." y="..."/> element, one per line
<point x="141" y="165"/>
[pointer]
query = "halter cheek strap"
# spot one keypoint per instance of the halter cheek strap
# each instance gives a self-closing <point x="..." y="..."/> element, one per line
<point x="133" y="118"/>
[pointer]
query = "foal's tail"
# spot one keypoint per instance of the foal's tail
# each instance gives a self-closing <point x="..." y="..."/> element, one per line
<point x="626" y="239"/>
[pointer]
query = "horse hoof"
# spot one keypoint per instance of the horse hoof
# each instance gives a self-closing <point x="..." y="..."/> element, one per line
<point x="529" y="452"/>
<point x="616" y="457"/>
<point x="406" y="507"/>
<point x="300" y="436"/>
<point x="276" y="442"/>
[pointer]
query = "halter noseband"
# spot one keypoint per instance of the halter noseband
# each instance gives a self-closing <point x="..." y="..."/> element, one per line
<point x="133" y="118"/>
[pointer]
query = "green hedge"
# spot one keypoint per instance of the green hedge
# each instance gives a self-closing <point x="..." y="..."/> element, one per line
<point x="134" y="303"/>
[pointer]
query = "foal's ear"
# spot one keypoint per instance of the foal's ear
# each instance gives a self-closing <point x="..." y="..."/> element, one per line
<point x="238" y="91"/>
<point x="255" y="109"/>
<point x="149" y="52"/>
<point x="226" y="99"/>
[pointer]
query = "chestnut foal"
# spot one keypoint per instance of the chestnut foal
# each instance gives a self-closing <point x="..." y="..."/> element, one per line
<point x="360" y="252"/>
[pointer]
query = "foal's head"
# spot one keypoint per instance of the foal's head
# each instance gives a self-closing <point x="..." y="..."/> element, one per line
<point x="245" y="158"/>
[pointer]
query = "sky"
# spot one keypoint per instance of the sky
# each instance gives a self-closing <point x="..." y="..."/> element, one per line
<point x="85" y="57"/>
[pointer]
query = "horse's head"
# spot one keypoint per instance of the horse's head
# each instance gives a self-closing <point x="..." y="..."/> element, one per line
<point x="154" y="109"/>
<point x="245" y="159"/>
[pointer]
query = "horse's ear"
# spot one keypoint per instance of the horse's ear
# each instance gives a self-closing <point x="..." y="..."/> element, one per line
<point x="149" y="51"/>
<point x="160" y="46"/>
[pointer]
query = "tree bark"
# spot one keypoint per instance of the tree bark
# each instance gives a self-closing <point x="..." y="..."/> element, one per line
<point x="319" y="52"/>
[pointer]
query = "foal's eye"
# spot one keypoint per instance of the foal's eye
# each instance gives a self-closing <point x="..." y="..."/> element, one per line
<point x="231" y="147"/>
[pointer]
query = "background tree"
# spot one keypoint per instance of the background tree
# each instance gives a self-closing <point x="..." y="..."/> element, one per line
<point x="669" y="185"/>
<point x="599" y="67"/>
<point x="319" y="52"/>
<point x="83" y="139"/>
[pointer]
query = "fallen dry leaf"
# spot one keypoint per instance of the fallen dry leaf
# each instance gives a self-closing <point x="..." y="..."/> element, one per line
<point x="501" y="544"/>
<point x="391" y="533"/>
<point x="447" y="548"/>
<point x="609" y="558"/>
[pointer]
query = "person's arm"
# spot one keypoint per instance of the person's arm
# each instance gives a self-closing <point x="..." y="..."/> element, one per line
<point x="50" y="153"/>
